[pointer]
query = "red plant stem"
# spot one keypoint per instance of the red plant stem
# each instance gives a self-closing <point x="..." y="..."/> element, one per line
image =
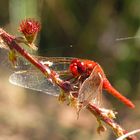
<point x="117" y="129"/>
<point x="10" y="40"/>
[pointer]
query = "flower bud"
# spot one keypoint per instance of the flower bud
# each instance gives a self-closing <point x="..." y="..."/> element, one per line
<point x="29" y="28"/>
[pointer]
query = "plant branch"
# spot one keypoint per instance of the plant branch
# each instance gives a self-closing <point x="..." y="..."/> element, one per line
<point x="108" y="116"/>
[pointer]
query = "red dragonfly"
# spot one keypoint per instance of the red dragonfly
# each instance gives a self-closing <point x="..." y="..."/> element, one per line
<point x="87" y="78"/>
<point x="95" y="82"/>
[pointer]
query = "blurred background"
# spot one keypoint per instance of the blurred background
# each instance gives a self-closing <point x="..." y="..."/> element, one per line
<point x="74" y="28"/>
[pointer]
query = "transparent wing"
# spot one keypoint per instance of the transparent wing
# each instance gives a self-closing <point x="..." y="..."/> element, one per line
<point x="91" y="89"/>
<point x="28" y="76"/>
<point x="34" y="80"/>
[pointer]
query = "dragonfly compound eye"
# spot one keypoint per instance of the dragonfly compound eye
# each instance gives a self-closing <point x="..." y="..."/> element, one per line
<point x="77" y="67"/>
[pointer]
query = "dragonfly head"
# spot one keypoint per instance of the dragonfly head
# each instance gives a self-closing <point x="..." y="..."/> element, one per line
<point x="77" y="67"/>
